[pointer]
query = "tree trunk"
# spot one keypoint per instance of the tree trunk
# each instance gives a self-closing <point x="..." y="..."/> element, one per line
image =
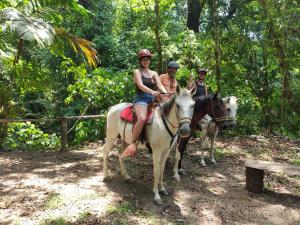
<point x="3" y="133"/>
<point x="216" y="34"/>
<point x="195" y="8"/>
<point x="157" y="38"/>
<point x="281" y="55"/>
<point x="19" y="49"/>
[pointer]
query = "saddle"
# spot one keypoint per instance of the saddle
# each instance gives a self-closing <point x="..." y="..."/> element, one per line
<point x="128" y="114"/>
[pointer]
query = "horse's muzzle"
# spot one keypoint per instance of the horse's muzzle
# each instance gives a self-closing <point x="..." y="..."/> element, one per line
<point x="229" y="124"/>
<point x="184" y="130"/>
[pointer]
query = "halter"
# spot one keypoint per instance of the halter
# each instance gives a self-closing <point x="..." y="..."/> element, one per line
<point x="222" y="118"/>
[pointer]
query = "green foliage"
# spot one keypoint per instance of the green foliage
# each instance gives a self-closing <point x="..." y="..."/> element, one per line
<point x="52" y="82"/>
<point x="101" y="88"/>
<point x="28" y="136"/>
<point x="90" y="130"/>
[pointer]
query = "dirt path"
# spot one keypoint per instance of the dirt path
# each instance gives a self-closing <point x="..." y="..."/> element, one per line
<point x="67" y="188"/>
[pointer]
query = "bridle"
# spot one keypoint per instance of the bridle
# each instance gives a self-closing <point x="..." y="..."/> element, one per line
<point x="179" y="122"/>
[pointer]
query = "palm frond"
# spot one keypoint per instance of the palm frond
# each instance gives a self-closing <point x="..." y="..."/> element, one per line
<point x="28" y="28"/>
<point x="80" y="45"/>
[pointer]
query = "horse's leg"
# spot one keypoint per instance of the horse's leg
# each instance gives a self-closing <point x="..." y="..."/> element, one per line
<point x="182" y="148"/>
<point x="156" y="172"/>
<point x="202" y="161"/>
<point x="212" y="142"/>
<point x="177" y="159"/>
<point x="163" y="160"/>
<point x="121" y="161"/>
<point x="107" y="147"/>
<point x="211" y="153"/>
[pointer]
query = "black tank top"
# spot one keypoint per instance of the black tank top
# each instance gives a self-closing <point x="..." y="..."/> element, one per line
<point x="148" y="82"/>
<point x="200" y="90"/>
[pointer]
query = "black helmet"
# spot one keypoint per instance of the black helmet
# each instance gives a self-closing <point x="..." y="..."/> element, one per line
<point x="202" y="69"/>
<point x="173" y="64"/>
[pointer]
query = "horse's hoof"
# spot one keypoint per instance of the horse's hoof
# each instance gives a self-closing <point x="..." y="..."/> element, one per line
<point x="163" y="193"/>
<point x="182" y="172"/>
<point x="158" y="201"/>
<point x="176" y="178"/>
<point x="202" y="163"/>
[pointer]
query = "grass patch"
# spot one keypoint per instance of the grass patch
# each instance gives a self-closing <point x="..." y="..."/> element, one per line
<point x="54" y="221"/>
<point x="124" y="207"/>
<point x="84" y="215"/>
<point x="296" y="162"/>
<point x="221" y="153"/>
<point x="53" y="201"/>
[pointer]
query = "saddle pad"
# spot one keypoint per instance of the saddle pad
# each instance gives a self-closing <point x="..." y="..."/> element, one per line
<point x="128" y="115"/>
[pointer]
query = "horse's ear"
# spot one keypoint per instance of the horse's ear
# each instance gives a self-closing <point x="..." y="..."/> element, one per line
<point x="177" y="90"/>
<point x="228" y="100"/>
<point x="216" y="96"/>
<point x="193" y="90"/>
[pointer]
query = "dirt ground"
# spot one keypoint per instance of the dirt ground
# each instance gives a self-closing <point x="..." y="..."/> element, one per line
<point x="68" y="188"/>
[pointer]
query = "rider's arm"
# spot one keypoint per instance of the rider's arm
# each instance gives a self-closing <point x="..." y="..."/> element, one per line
<point x="190" y="84"/>
<point x="158" y="83"/>
<point x="138" y="81"/>
<point x="205" y="89"/>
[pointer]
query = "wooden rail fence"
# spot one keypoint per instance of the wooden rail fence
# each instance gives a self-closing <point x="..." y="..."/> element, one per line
<point x="63" y="124"/>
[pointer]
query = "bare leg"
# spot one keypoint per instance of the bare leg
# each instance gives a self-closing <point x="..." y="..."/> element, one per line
<point x="141" y="112"/>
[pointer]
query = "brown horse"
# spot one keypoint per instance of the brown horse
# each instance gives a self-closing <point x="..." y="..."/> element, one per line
<point x="214" y="106"/>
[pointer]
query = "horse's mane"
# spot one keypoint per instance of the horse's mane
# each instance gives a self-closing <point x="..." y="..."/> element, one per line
<point x="167" y="106"/>
<point x="202" y="101"/>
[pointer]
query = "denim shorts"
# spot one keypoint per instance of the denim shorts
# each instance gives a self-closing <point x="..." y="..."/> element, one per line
<point x="143" y="99"/>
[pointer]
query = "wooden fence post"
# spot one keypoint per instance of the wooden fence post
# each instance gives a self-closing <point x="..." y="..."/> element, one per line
<point x="64" y="134"/>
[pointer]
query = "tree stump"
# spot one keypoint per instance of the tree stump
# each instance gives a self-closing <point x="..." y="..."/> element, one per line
<point x="254" y="180"/>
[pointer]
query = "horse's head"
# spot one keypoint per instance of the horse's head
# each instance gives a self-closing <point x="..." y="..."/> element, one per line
<point x="184" y="107"/>
<point x="217" y="110"/>
<point x="231" y="108"/>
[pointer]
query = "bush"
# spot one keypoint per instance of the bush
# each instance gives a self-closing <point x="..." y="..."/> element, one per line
<point x="27" y="136"/>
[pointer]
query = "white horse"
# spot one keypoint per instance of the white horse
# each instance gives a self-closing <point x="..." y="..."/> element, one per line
<point x="171" y="118"/>
<point x="210" y="130"/>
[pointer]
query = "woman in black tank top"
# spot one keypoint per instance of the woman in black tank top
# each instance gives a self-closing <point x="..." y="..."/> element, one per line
<point x="147" y="83"/>
<point x="200" y="84"/>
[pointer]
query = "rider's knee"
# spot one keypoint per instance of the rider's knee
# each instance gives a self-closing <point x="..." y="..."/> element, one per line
<point x="142" y="119"/>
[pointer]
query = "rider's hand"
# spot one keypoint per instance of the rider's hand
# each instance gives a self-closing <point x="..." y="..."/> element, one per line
<point x="155" y="93"/>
